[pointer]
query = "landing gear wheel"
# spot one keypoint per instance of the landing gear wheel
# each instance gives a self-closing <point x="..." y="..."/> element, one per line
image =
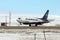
<point x="29" y="24"/>
<point x="35" y="24"/>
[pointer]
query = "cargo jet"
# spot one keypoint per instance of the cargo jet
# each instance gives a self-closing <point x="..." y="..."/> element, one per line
<point x="37" y="21"/>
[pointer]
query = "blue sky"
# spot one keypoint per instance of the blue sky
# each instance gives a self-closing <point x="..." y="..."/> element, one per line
<point x="30" y="6"/>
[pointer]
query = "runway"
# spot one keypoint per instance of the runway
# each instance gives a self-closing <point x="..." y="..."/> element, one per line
<point x="27" y="27"/>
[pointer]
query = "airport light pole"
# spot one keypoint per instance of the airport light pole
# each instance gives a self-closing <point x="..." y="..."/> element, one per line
<point x="9" y="18"/>
<point x="6" y="20"/>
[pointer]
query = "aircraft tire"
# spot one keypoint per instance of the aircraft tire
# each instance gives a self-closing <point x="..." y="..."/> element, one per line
<point x="35" y="24"/>
<point x="29" y="24"/>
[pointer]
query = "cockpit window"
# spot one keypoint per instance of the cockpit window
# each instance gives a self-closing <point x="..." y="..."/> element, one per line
<point x="19" y="18"/>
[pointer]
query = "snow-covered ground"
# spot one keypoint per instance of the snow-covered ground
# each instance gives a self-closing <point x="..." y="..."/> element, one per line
<point x="19" y="36"/>
<point x="29" y="34"/>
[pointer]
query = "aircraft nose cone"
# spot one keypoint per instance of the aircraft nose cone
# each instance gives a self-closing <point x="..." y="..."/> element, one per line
<point x="18" y="19"/>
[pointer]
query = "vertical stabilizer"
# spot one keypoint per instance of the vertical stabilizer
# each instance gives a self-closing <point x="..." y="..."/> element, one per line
<point x="46" y="15"/>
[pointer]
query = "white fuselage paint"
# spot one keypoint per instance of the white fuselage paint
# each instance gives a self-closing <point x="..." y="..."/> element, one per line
<point x="29" y="20"/>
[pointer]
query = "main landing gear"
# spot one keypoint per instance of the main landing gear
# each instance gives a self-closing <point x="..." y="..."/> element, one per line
<point x="31" y="25"/>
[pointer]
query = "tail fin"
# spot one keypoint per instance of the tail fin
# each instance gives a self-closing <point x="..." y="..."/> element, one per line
<point x="46" y="15"/>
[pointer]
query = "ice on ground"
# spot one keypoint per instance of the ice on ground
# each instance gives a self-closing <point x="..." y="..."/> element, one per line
<point x="20" y="36"/>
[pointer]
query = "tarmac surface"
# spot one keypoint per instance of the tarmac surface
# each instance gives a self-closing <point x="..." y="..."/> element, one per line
<point x="27" y="27"/>
<point x="28" y="30"/>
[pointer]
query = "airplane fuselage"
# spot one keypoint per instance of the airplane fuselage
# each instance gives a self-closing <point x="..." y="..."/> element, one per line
<point x="27" y="21"/>
<point x="36" y="21"/>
